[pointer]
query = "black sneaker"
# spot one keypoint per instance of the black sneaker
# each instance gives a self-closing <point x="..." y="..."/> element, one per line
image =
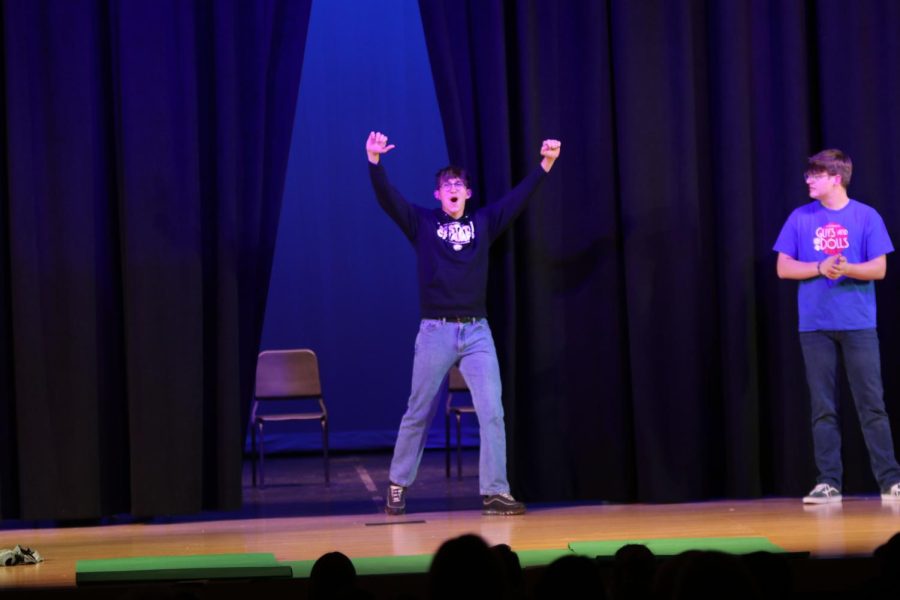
<point x="396" y="500"/>
<point x="501" y="504"/>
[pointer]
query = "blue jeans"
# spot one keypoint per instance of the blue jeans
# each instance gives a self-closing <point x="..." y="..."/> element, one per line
<point x="440" y="345"/>
<point x="862" y="361"/>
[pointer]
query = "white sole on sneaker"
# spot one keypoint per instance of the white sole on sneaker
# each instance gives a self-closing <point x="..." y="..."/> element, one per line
<point x="831" y="500"/>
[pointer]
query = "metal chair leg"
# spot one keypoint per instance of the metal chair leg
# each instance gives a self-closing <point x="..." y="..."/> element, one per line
<point x="447" y="443"/>
<point x="254" y="452"/>
<point x="459" y="445"/>
<point x="325" y="449"/>
<point x="262" y="456"/>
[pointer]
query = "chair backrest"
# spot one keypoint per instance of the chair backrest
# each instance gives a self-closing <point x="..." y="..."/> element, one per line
<point x="287" y="374"/>
<point x="456" y="383"/>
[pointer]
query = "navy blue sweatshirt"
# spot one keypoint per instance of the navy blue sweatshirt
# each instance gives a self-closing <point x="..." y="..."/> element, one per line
<point x="452" y="253"/>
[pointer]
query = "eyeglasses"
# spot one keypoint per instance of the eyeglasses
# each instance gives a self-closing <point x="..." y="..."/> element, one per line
<point x="449" y="185"/>
<point x="819" y="175"/>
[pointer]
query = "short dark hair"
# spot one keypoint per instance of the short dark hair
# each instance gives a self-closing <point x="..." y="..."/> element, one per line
<point x="451" y="172"/>
<point x="833" y="162"/>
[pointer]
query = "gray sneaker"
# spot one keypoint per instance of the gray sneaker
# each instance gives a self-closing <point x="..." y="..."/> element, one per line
<point x="823" y="494"/>
<point x="892" y="493"/>
<point x="396" y="500"/>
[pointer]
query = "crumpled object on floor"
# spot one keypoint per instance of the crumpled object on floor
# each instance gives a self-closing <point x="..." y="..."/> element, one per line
<point x="19" y="556"/>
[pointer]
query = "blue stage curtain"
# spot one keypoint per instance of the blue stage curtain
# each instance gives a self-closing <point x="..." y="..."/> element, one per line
<point x="648" y="351"/>
<point x="145" y="144"/>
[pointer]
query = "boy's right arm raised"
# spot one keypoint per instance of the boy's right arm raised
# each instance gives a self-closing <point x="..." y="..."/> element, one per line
<point x="397" y="208"/>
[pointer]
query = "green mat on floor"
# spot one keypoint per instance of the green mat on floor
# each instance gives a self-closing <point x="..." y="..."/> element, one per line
<point x="180" y="568"/>
<point x="673" y="546"/>
<point x="373" y="565"/>
<point x="264" y="565"/>
<point x="539" y="558"/>
<point x="419" y="563"/>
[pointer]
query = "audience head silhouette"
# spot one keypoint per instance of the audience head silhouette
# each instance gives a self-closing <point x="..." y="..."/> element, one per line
<point x="333" y="576"/>
<point x="465" y="568"/>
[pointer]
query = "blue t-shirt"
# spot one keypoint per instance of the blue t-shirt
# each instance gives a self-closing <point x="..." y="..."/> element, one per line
<point x="812" y="233"/>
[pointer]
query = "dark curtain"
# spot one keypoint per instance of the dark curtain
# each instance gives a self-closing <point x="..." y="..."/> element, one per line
<point x="648" y="351"/>
<point x="145" y="146"/>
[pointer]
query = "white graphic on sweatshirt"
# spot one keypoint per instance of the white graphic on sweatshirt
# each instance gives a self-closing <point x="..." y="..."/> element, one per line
<point x="831" y="238"/>
<point x="456" y="233"/>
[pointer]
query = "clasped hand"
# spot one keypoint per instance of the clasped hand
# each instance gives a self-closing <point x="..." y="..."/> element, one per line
<point x="835" y="266"/>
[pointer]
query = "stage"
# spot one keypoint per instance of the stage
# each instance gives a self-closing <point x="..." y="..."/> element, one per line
<point x="297" y="518"/>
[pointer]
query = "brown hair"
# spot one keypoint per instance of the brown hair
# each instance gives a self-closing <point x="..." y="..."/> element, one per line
<point x="833" y="162"/>
<point x="451" y="172"/>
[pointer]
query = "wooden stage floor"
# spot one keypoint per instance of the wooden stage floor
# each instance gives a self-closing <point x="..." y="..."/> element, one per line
<point x="297" y="518"/>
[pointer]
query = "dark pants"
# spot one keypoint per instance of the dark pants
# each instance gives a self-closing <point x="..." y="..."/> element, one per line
<point x="862" y="361"/>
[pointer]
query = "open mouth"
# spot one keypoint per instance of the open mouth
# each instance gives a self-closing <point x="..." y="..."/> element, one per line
<point x="454" y="199"/>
